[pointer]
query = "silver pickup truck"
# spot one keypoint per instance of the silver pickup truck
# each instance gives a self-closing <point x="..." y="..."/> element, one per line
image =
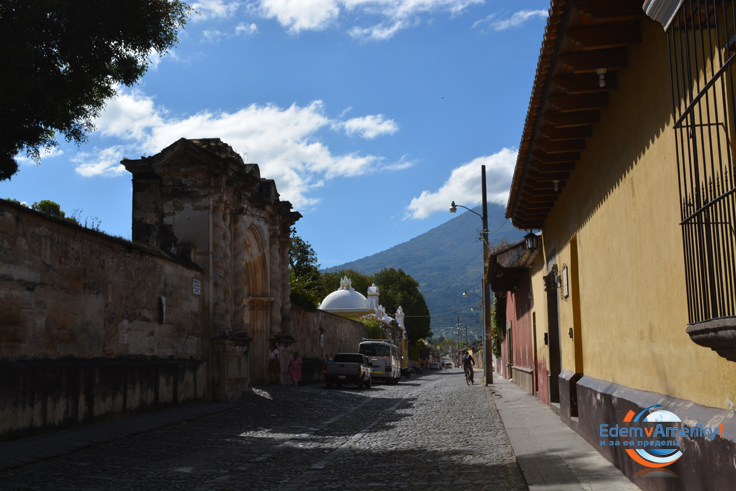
<point x="348" y="368"/>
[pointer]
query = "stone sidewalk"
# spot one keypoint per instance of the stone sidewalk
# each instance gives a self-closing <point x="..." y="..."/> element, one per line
<point x="551" y="455"/>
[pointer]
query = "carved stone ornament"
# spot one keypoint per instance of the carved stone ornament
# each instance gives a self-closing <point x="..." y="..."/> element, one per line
<point x="717" y="334"/>
<point x="283" y="340"/>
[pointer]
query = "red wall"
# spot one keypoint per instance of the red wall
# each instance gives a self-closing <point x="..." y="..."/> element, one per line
<point x="518" y="311"/>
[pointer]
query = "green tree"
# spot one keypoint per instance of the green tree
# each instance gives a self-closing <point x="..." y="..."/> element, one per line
<point x="305" y="280"/>
<point x="373" y="326"/>
<point x="302" y="258"/>
<point x="498" y="323"/>
<point x="48" y="208"/>
<point x="62" y="59"/>
<point x="397" y="288"/>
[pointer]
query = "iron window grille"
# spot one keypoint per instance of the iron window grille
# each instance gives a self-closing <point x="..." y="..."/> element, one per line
<point x="702" y="51"/>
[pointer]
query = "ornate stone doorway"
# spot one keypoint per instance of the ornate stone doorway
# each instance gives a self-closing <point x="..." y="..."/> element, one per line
<point x="257" y="303"/>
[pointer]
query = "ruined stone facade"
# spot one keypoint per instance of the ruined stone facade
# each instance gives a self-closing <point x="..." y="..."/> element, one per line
<point x="197" y="198"/>
<point x="93" y="327"/>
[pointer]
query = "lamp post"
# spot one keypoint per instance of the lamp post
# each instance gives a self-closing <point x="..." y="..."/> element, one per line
<point x="487" y="341"/>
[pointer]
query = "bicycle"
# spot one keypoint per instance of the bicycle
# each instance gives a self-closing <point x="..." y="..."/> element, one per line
<point x="468" y="376"/>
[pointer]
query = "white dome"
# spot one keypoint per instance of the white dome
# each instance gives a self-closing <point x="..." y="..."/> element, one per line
<point x="344" y="300"/>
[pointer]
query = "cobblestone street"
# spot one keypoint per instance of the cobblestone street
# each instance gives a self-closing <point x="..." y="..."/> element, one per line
<point x="428" y="432"/>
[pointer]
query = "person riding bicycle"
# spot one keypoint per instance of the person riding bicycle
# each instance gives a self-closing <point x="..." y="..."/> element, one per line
<point x="468" y="363"/>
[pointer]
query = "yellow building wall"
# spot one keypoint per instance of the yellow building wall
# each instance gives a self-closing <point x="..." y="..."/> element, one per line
<point x="621" y="206"/>
<point x="539" y="312"/>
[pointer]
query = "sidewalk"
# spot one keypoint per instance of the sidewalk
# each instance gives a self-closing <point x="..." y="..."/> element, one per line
<point x="551" y="455"/>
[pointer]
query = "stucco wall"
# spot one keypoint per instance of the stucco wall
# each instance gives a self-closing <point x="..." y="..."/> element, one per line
<point x="66" y="291"/>
<point x="68" y="296"/>
<point x="621" y="205"/>
<point x="341" y="335"/>
<point x="539" y="319"/>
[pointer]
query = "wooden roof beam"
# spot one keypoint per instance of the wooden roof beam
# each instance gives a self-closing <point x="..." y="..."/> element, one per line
<point x="596" y="11"/>
<point x="590" y="61"/>
<point x="566" y="134"/>
<point x="579" y="102"/>
<point x="548" y="176"/>
<point x="606" y="36"/>
<point x="586" y="83"/>
<point x="559" y="167"/>
<point x="567" y="120"/>
<point x="538" y="199"/>
<point x="560" y="146"/>
<point x="553" y="158"/>
<point x="537" y="185"/>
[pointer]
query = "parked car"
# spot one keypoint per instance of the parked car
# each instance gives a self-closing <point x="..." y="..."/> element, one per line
<point x="348" y="368"/>
<point x="434" y="366"/>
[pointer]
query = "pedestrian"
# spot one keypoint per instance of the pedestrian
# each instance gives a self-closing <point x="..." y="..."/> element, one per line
<point x="295" y="369"/>
<point x="274" y="365"/>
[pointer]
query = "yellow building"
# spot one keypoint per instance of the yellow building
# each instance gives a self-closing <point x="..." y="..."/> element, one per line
<point x="626" y="164"/>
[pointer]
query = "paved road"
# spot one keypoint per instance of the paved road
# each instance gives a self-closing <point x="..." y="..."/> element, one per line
<point x="429" y="432"/>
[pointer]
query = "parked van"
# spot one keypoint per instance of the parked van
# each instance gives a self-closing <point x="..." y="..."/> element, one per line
<point x="384" y="359"/>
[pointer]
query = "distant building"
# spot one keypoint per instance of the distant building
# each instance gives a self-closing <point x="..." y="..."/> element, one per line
<point x="346" y="302"/>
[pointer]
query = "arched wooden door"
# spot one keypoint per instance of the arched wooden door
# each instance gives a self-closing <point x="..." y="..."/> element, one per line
<point x="257" y="303"/>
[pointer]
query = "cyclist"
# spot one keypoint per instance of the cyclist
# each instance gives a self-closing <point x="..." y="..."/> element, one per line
<point x="468" y="363"/>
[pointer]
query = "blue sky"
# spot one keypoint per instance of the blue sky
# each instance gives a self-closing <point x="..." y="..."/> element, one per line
<point x="370" y="115"/>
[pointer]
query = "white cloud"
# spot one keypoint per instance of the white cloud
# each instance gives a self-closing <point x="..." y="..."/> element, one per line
<point x="317" y="15"/>
<point x="211" y="36"/>
<point x="212" y="9"/>
<point x="370" y="126"/>
<point x="105" y="162"/>
<point x="283" y="141"/>
<point x="464" y="185"/>
<point x="246" y="29"/>
<point x="516" y="19"/>
<point x="45" y="153"/>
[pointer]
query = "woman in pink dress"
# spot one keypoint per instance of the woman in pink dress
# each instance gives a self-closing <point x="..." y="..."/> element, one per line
<point x="295" y="368"/>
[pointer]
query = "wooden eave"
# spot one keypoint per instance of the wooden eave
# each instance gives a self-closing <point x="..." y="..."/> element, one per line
<point x="581" y="37"/>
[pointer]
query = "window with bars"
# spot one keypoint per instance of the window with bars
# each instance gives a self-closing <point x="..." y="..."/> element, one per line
<point x="702" y="48"/>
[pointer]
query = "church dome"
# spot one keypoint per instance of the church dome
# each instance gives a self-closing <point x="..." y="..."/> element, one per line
<point x="345" y="300"/>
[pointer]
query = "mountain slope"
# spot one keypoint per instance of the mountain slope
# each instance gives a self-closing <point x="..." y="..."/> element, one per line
<point x="446" y="261"/>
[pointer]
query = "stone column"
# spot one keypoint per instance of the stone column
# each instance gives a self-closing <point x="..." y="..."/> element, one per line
<point x="221" y="267"/>
<point x="284" y="244"/>
<point x="274" y="280"/>
<point x="238" y="273"/>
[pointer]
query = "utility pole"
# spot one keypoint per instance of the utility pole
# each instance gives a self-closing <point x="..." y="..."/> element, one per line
<point x="487" y="334"/>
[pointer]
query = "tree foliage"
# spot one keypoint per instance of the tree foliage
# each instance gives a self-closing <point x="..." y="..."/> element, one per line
<point x="397" y="288"/>
<point x="373" y="326"/>
<point x="305" y="280"/>
<point x="62" y="59"/>
<point x="48" y="208"/>
<point x="498" y="323"/>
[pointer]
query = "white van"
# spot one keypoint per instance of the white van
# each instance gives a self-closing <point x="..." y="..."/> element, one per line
<point x="384" y="359"/>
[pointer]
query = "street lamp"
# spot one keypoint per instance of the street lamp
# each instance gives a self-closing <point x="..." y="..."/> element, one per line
<point x="531" y="240"/>
<point x="487" y="344"/>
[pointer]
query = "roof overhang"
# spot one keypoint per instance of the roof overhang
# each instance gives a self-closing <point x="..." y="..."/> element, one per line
<point x="508" y="265"/>
<point x="583" y="40"/>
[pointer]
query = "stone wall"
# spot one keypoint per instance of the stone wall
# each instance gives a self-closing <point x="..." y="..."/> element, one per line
<point x="69" y="295"/>
<point x="341" y="335"/>
<point x="93" y="327"/>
